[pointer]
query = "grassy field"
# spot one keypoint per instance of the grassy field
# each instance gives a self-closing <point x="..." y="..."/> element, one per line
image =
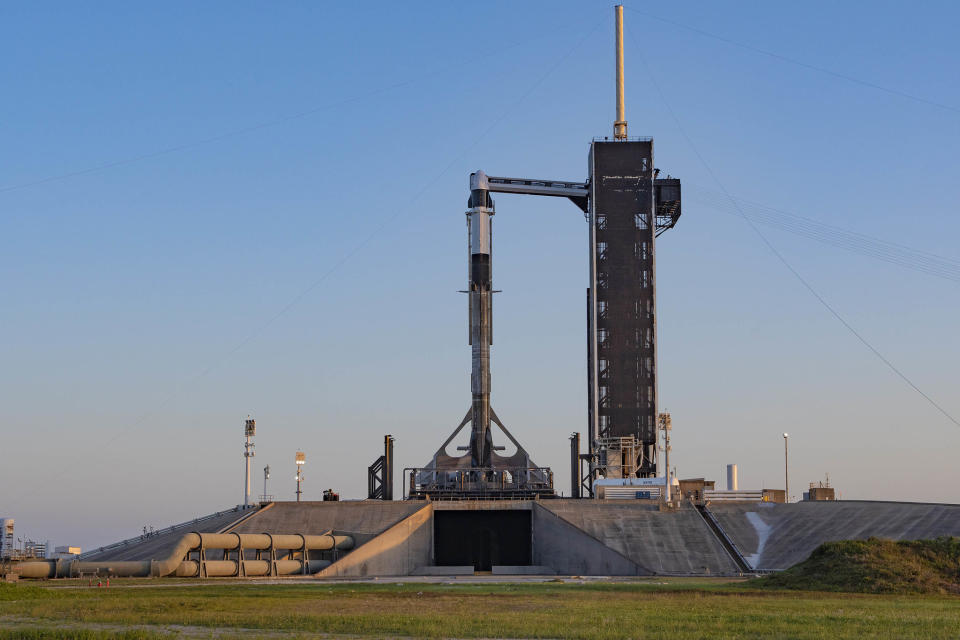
<point x="676" y="609"/>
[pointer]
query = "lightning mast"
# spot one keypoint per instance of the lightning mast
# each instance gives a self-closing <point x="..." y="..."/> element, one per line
<point x="620" y="124"/>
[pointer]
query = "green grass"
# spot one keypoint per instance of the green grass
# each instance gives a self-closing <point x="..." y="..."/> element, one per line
<point x="23" y="591"/>
<point x="22" y="633"/>
<point x="876" y="566"/>
<point x="679" y="609"/>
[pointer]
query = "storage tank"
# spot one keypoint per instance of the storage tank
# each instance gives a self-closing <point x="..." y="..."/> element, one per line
<point x="732" y="477"/>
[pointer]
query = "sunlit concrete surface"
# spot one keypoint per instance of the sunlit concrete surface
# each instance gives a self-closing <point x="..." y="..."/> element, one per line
<point x="777" y="536"/>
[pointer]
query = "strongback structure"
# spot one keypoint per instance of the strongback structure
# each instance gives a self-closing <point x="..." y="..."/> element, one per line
<point x="627" y="206"/>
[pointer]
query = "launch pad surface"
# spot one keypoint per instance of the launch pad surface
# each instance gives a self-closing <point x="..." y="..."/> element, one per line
<point x="569" y="537"/>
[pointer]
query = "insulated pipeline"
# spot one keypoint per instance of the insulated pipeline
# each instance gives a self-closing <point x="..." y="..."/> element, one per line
<point x="176" y="564"/>
<point x="251" y="568"/>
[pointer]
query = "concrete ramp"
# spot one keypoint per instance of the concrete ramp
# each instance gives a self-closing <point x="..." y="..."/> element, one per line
<point x="777" y="536"/>
<point x="160" y="543"/>
<point x="676" y="542"/>
<point x="363" y="519"/>
<point x="569" y="550"/>
<point x="398" y="551"/>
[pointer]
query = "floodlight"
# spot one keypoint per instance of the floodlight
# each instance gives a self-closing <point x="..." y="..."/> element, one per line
<point x="250" y="428"/>
<point x="301" y="457"/>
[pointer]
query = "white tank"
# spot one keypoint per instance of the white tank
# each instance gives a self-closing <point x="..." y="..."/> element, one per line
<point x="732" y="477"/>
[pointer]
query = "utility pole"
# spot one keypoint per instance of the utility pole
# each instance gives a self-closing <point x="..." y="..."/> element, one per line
<point x="249" y="430"/>
<point x="666" y="426"/>
<point x="266" y="476"/>
<point x="786" y="469"/>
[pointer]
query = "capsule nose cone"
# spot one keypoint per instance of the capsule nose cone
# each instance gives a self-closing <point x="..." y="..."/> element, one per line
<point x="478" y="180"/>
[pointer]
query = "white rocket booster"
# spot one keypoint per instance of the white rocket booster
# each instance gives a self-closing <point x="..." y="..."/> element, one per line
<point x="479" y="228"/>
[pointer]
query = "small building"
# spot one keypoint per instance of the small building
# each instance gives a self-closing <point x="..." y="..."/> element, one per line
<point x="775" y="495"/>
<point x="66" y="552"/>
<point x="693" y="488"/>
<point x="821" y="493"/>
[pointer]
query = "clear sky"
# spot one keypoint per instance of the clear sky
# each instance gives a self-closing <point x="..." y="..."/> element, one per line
<point x="220" y="209"/>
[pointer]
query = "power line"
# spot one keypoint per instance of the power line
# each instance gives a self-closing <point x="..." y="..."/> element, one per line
<point x="800" y="63"/>
<point x="852" y="241"/>
<point x="779" y="255"/>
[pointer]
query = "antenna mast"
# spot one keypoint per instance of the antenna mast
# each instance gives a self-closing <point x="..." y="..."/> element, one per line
<point x="620" y="124"/>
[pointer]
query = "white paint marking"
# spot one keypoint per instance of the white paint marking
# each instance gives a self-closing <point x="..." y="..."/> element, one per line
<point x="763" y="532"/>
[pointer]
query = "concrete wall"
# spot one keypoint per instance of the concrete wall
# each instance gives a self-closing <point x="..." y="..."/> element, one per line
<point x="665" y="542"/>
<point x="777" y="536"/>
<point x="398" y="551"/>
<point x="571" y="551"/>
<point x="585" y="537"/>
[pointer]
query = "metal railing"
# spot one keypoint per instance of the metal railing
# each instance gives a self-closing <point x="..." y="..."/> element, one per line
<point x="479" y="482"/>
<point x="629" y="139"/>
<point x="725" y="540"/>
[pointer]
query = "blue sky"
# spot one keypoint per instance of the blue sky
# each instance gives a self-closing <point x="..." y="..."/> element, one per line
<point x="209" y="211"/>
